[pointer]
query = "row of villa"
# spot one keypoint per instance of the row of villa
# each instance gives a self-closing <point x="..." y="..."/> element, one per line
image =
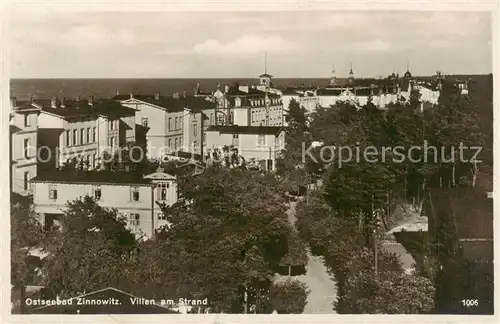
<point x="48" y="134"/>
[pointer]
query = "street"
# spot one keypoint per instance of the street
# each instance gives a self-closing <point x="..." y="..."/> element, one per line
<point x="321" y="286"/>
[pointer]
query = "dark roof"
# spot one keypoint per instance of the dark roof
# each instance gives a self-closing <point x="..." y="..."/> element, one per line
<point x="75" y="108"/>
<point x="170" y="103"/>
<point x="91" y="176"/>
<point x="329" y="92"/>
<point x="124" y="299"/>
<point x="235" y="129"/>
<point x="265" y="75"/>
<point x="363" y="92"/>
<point x="289" y="91"/>
<point x="24" y="105"/>
<point x="469" y="208"/>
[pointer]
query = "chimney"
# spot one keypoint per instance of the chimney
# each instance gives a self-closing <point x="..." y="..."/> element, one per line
<point x="183" y="94"/>
<point x="226" y="88"/>
<point x="91" y="100"/>
<point x="53" y="102"/>
<point x="157" y="96"/>
<point x="175" y="95"/>
<point x="117" y="91"/>
<point x="62" y="102"/>
<point x="131" y="95"/>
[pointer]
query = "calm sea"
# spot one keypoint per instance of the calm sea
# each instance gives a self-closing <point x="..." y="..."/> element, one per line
<point x="106" y="88"/>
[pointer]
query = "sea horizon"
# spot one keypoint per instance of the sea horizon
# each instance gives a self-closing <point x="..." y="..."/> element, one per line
<point x="23" y="88"/>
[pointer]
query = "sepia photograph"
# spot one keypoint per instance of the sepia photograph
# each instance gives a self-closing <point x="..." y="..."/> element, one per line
<point x="314" y="162"/>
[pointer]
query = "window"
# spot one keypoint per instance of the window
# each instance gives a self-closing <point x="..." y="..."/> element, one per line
<point x="144" y="122"/>
<point x="87" y="139"/>
<point x="27" y="120"/>
<point x="52" y="192"/>
<point x="170" y="123"/>
<point x="176" y="121"/>
<point x="134" y="219"/>
<point x="117" y="124"/>
<point x="112" y="142"/>
<point x="211" y="118"/>
<point x="94" y="161"/>
<point x="180" y="142"/>
<point x="94" y="135"/>
<point x="68" y="138"/>
<point x="110" y="125"/>
<point x="26" y="180"/>
<point x="181" y="121"/>
<point x="26" y="148"/>
<point x="170" y="144"/>
<point x="261" y="140"/>
<point x="253" y="116"/>
<point x="97" y="193"/>
<point x="75" y="137"/>
<point x="195" y="145"/>
<point x="82" y="131"/>
<point x="236" y="139"/>
<point x="162" y="191"/>
<point x="134" y="193"/>
<point x="195" y="131"/>
<point x="162" y="216"/>
<point x="176" y="144"/>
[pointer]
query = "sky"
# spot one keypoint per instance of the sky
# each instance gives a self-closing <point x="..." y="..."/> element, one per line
<point x="229" y="44"/>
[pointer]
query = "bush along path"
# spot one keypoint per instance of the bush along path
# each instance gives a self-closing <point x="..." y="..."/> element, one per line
<point x="321" y="286"/>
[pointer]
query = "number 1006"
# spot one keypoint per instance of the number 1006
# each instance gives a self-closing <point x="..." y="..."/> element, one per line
<point x="470" y="302"/>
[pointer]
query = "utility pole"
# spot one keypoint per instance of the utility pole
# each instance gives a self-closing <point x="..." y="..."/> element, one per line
<point x="245" y="301"/>
<point x="152" y="211"/>
<point x="375" y="252"/>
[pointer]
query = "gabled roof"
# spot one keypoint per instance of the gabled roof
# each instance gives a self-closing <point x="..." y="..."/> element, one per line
<point x="79" y="176"/>
<point x="235" y="129"/>
<point x="73" y="108"/>
<point x="25" y="105"/>
<point x="170" y="103"/>
<point x="265" y="75"/>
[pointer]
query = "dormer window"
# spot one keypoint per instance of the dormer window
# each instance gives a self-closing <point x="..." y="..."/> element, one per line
<point x="162" y="191"/>
<point x="97" y="192"/>
<point x="52" y="192"/>
<point x="134" y="193"/>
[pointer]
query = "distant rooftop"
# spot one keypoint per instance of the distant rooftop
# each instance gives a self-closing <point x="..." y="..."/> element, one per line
<point x="170" y="103"/>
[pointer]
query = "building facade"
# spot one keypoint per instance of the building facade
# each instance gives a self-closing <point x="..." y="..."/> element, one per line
<point x="163" y="121"/>
<point x="262" y="144"/>
<point x="136" y="197"/>
<point x="81" y="130"/>
<point x="23" y="130"/>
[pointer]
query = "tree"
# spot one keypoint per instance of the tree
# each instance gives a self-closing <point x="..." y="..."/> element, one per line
<point x="295" y="137"/>
<point x="231" y="229"/>
<point x="288" y="297"/>
<point x="26" y="234"/>
<point x="296" y="252"/>
<point x="88" y="251"/>
<point x="390" y="291"/>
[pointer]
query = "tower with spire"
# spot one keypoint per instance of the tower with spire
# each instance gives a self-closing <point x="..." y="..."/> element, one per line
<point x="265" y="78"/>
<point x="351" y="76"/>
<point x="407" y="74"/>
